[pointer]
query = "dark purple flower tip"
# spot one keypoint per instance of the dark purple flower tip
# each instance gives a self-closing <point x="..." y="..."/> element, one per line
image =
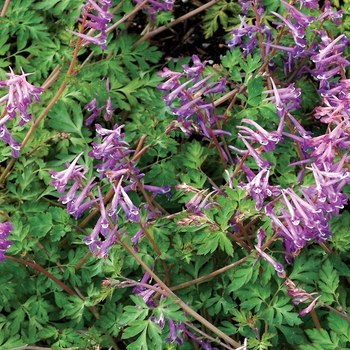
<point x="5" y="230"/>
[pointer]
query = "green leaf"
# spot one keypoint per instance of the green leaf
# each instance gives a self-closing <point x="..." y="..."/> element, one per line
<point x="340" y="326"/>
<point x="194" y="156"/>
<point x="154" y="331"/>
<point x="140" y="343"/>
<point x="327" y="341"/>
<point x="40" y="224"/>
<point x="305" y="269"/>
<point x="255" y="88"/>
<point x="328" y="281"/>
<point x="293" y="335"/>
<point x="134" y="327"/>
<point x="240" y="278"/>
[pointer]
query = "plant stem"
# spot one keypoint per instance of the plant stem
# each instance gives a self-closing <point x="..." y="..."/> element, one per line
<point x="210" y="275"/>
<point x="182" y="304"/>
<point x="176" y="21"/>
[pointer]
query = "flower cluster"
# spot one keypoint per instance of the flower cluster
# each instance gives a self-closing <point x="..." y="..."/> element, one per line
<point x="114" y="165"/>
<point x="5" y="229"/>
<point x="192" y="95"/>
<point x="95" y="17"/>
<point x="18" y="99"/>
<point x="250" y="32"/>
<point x="301" y="215"/>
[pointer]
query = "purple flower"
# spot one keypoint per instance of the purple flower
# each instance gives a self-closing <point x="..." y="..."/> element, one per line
<point x="102" y="251"/>
<point x="285" y="99"/>
<point x="265" y="138"/>
<point x="173" y="333"/>
<point x="96" y="22"/>
<point x="76" y="207"/>
<point x="261" y="162"/>
<point x="297" y="31"/>
<point x="196" y="69"/>
<point x="310" y="307"/>
<point x="197" y="203"/>
<point x="300" y="18"/>
<point x="328" y="13"/>
<point x="159" y="190"/>
<point x="7" y="137"/>
<point x="277" y="266"/>
<point x="131" y="211"/>
<point x="155" y="6"/>
<point x="93" y="239"/>
<point x="20" y="95"/>
<point x="5" y="229"/>
<point x="61" y="178"/>
<point x="258" y="186"/>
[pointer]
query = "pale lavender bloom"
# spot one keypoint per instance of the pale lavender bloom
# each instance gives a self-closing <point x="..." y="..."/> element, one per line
<point x="299" y="295"/>
<point x="178" y="92"/>
<point x="243" y="31"/>
<point x="61" y="178"/>
<point x="5" y="230"/>
<point x="136" y="238"/>
<point x="92" y="105"/>
<point x="196" y="69"/>
<point x="303" y="133"/>
<point x="309" y="308"/>
<point x="246" y="5"/>
<point x="109" y="109"/>
<point x="96" y="22"/>
<point x="102" y="252"/>
<point x="276" y="265"/>
<point x="265" y="138"/>
<point x="94" y="40"/>
<point x="131" y="211"/>
<point x="308" y="3"/>
<point x="20" y="94"/>
<point x="197" y="203"/>
<point x="104" y="222"/>
<point x="76" y="207"/>
<point x="258" y="187"/>
<point x="93" y="239"/>
<point x="173" y="333"/>
<point x="153" y="7"/>
<point x="7" y="137"/>
<point x="324" y="146"/>
<point x="95" y="113"/>
<point x="202" y="343"/>
<point x="297" y="32"/>
<point x="158" y="190"/>
<point x="301" y="19"/>
<point x="71" y="193"/>
<point x="328" y="50"/>
<point x="112" y="211"/>
<point x="328" y="13"/>
<point x="261" y="162"/>
<point x="285" y="99"/>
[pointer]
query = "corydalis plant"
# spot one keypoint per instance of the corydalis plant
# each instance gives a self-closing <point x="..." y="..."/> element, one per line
<point x="303" y="214"/>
